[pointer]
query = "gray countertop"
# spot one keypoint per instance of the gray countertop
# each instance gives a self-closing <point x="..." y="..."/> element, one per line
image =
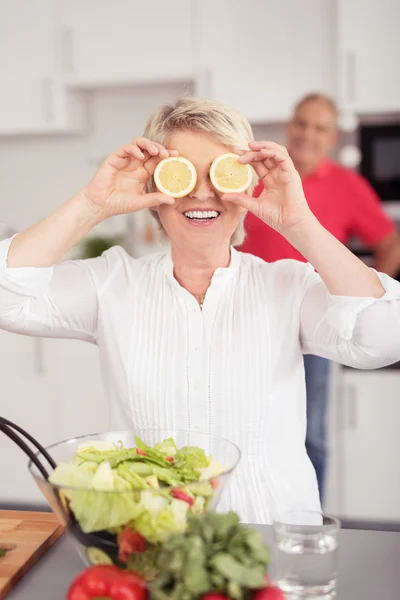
<point x="369" y="568"/>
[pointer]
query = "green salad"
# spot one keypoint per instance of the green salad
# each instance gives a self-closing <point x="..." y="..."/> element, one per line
<point x="153" y="488"/>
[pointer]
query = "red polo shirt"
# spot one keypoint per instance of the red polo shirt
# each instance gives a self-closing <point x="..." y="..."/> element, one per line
<point x="343" y="202"/>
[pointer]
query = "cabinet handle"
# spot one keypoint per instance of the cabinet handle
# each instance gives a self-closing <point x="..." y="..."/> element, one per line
<point x="341" y="406"/>
<point x="351" y="75"/>
<point x="66" y="51"/>
<point x="47" y="100"/>
<point x="203" y="83"/>
<point x="352" y="407"/>
<point x="38" y="356"/>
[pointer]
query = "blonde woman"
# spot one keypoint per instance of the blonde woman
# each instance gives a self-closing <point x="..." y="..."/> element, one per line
<point x="204" y="337"/>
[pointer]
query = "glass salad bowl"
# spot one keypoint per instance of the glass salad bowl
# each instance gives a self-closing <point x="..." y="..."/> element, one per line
<point x="121" y="493"/>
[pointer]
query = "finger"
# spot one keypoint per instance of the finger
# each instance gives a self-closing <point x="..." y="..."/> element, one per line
<point x="128" y="151"/>
<point x="151" y="147"/>
<point x="253" y="156"/>
<point x="266" y="144"/>
<point x="261" y="169"/>
<point x="157" y="198"/>
<point x="151" y="164"/>
<point x="166" y="152"/>
<point x="149" y="201"/>
<point x="154" y="148"/>
<point x="243" y="200"/>
<point x="162" y="151"/>
<point x="270" y="157"/>
<point x="239" y="151"/>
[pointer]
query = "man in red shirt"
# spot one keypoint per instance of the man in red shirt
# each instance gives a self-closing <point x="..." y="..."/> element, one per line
<point x="345" y="205"/>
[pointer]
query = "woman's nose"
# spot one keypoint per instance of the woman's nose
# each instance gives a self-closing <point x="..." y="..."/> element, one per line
<point x="203" y="190"/>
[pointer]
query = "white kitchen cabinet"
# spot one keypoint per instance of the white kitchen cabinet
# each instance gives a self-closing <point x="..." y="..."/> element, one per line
<point x="73" y="370"/>
<point x="27" y="50"/>
<point x="261" y="57"/>
<point x="368" y="46"/>
<point x="125" y="41"/>
<point x="368" y="445"/>
<point x="53" y="389"/>
<point x="25" y="399"/>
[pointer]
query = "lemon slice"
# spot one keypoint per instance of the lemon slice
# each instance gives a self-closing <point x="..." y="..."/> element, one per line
<point x="229" y="175"/>
<point x="175" y="176"/>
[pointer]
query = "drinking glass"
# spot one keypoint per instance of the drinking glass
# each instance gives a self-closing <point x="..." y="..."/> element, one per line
<point x="306" y="549"/>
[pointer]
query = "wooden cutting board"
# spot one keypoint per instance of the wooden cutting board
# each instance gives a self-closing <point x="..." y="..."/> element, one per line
<point x="32" y="533"/>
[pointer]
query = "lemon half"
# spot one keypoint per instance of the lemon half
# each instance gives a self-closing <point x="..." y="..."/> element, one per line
<point x="175" y="176"/>
<point x="227" y="174"/>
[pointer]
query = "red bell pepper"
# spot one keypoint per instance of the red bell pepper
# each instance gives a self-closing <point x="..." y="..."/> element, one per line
<point x="140" y="452"/>
<point x="106" y="581"/>
<point x="129" y="541"/>
<point x="170" y="459"/>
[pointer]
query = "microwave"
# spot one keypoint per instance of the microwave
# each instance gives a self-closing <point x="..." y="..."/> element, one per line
<point x="380" y="158"/>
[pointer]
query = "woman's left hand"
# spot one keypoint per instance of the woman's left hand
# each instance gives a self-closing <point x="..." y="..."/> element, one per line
<point x="282" y="204"/>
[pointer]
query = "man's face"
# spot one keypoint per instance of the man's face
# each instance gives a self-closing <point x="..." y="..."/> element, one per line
<point x="311" y="134"/>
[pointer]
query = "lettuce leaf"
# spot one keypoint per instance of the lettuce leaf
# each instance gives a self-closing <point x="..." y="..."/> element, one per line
<point x="97" y="508"/>
<point x="157" y="526"/>
<point x="167" y="447"/>
<point x="134" y="480"/>
<point x="202" y="488"/>
<point x="188" y="461"/>
<point x="168" y="476"/>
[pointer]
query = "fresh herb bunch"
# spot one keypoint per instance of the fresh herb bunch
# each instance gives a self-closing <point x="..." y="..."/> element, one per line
<point x="217" y="554"/>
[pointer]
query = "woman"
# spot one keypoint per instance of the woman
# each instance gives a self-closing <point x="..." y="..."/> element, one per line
<point x="231" y="365"/>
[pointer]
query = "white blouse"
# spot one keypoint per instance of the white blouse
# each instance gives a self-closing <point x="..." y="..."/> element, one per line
<point x="234" y="368"/>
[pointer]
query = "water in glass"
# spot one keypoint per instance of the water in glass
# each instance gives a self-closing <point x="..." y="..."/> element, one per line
<point x="306" y="559"/>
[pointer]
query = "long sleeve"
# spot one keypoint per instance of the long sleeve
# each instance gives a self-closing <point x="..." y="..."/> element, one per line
<point x="363" y="333"/>
<point x="59" y="301"/>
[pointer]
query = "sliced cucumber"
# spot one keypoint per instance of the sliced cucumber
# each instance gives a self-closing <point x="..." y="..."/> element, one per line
<point x="98" y="557"/>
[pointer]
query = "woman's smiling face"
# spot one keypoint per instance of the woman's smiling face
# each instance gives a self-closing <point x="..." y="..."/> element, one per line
<point x="201" y="218"/>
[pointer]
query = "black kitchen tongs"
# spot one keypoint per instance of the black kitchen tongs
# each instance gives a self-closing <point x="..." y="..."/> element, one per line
<point x="10" y="429"/>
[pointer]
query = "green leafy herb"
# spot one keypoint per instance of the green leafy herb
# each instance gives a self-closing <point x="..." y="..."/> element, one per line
<point x="215" y="554"/>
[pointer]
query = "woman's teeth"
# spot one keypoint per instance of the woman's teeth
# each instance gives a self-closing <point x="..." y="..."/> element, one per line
<point x="201" y="215"/>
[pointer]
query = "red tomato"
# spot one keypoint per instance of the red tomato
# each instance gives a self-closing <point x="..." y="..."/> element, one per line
<point x="181" y="495"/>
<point x="129" y="541"/>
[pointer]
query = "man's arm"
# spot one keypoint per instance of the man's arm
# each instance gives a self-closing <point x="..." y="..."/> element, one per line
<point x="387" y="254"/>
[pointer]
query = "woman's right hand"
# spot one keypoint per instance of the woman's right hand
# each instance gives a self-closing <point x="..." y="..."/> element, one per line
<point x="119" y="186"/>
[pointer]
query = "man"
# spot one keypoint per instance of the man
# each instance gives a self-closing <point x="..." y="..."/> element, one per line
<point x="346" y="205"/>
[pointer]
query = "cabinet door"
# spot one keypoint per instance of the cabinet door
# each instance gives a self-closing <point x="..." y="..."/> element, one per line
<point x="25" y="399"/>
<point x="27" y="49"/>
<point x="369" y="446"/>
<point x="369" y="50"/>
<point x="126" y="40"/>
<point x="261" y="57"/>
<point x="76" y="387"/>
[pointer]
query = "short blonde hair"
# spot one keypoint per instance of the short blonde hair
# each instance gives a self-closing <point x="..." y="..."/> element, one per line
<point x="227" y="125"/>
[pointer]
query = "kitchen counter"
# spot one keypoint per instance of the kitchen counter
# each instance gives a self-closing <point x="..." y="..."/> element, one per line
<point x="369" y="565"/>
